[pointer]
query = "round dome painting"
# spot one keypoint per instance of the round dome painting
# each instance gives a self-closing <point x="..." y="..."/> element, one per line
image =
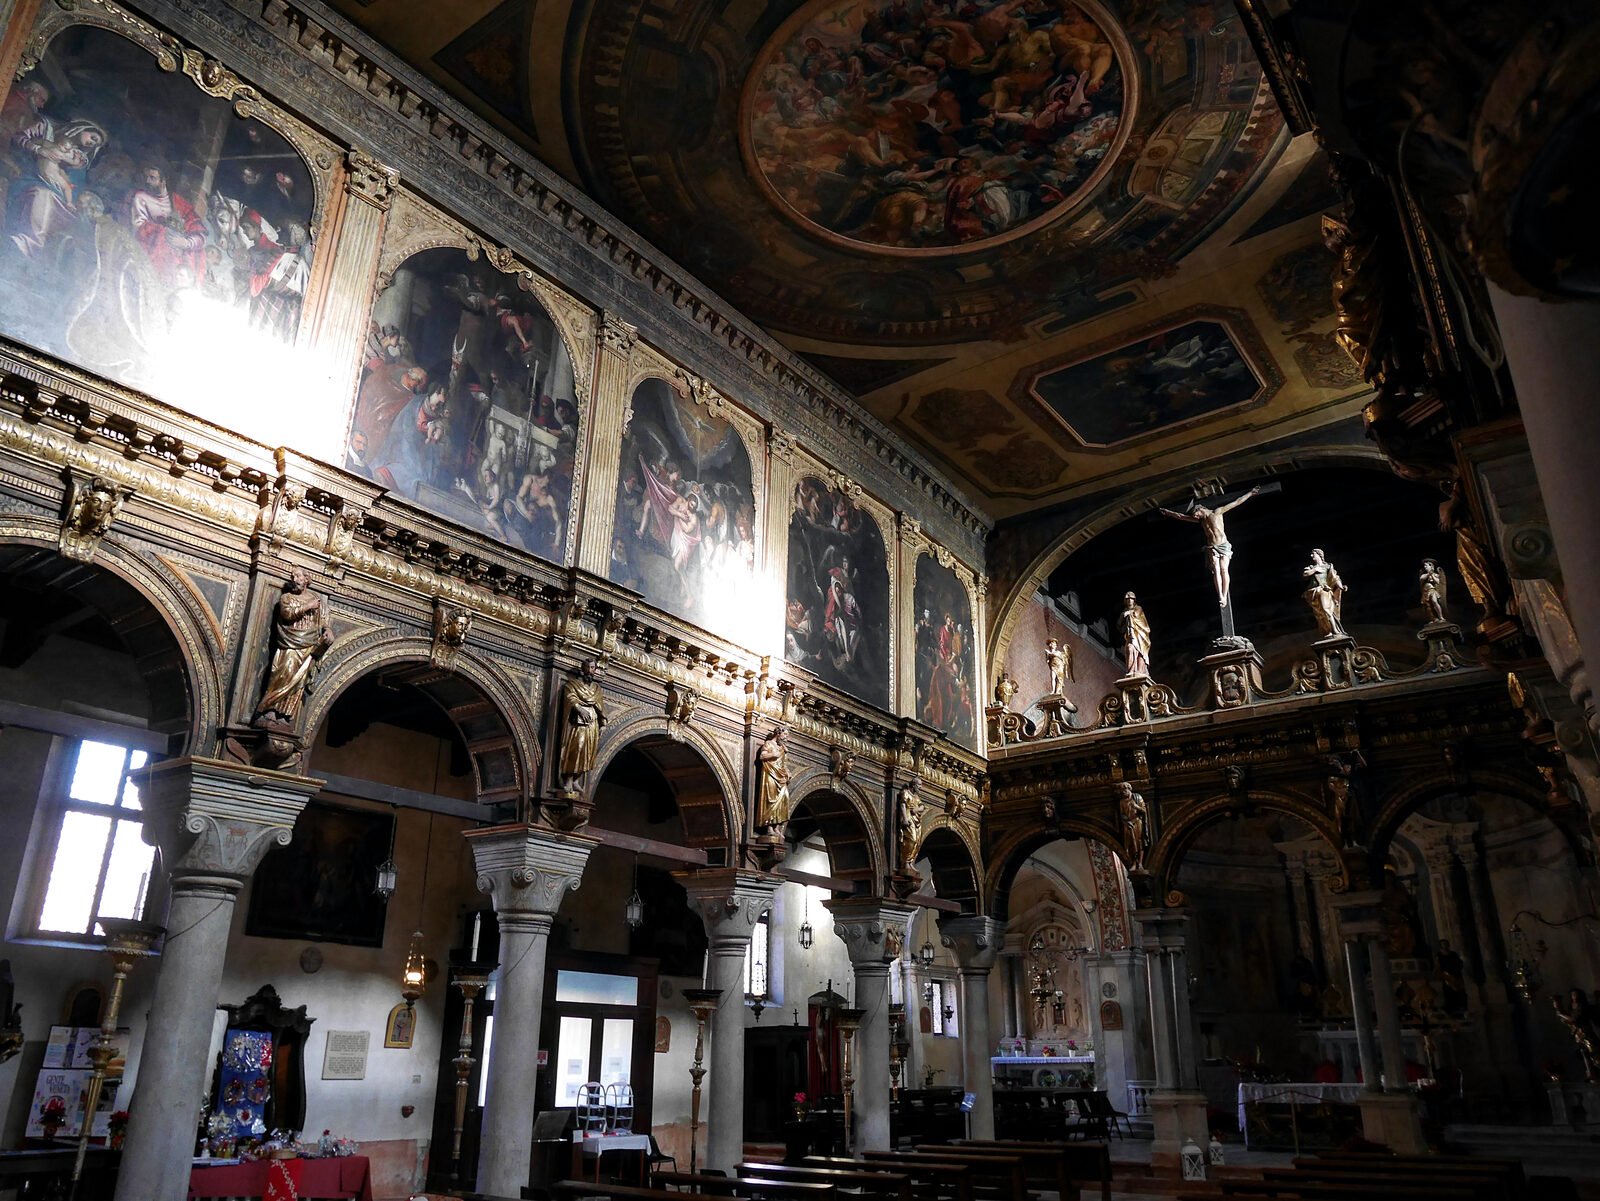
<point x="927" y="127"/>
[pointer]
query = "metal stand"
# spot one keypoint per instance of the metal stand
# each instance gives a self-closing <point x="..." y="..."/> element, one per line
<point x="849" y="1023"/>
<point x="703" y="1003"/>
<point x="471" y="980"/>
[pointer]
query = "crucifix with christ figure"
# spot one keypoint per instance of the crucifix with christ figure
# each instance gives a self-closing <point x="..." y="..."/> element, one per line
<point x="1219" y="550"/>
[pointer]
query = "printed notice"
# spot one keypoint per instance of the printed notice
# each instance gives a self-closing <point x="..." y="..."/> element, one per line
<point x="345" y="1056"/>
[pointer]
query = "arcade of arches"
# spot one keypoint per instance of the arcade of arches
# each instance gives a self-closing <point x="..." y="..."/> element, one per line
<point x="1083" y="590"/>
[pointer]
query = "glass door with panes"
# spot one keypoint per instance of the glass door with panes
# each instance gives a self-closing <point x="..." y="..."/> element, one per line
<point x="599" y="1025"/>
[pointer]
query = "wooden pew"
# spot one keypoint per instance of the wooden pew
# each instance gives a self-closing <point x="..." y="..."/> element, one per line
<point x="1509" y="1171"/>
<point x="746" y="1186"/>
<point x="1485" y="1188"/>
<point x="946" y="1181"/>
<point x="1412" y="1189"/>
<point x="995" y="1176"/>
<point x="1043" y="1165"/>
<point x="891" y="1186"/>
<point x="1085" y="1162"/>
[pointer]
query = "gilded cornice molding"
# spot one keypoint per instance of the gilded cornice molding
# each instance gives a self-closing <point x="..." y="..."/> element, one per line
<point x="313" y="59"/>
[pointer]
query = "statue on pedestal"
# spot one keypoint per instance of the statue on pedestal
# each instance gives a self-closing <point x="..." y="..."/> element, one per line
<point x="1004" y="689"/>
<point x="1058" y="658"/>
<point x="300" y="637"/>
<point x="1218" y="548"/>
<point x="773" y="804"/>
<point x="910" y="825"/>
<point x="1434" y="586"/>
<point x="1136" y="824"/>
<point x="1578" y="1015"/>
<point x="1135" y="627"/>
<point x="1325" y="595"/>
<point x="583" y="712"/>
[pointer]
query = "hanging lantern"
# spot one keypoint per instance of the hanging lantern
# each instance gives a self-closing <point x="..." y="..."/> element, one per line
<point x="926" y="953"/>
<point x="388" y="877"/>
<point x="927" y="992"/>
<point x="414" y="979"/>
<point x="807" y="934"/>
<point x="633" y="910"/>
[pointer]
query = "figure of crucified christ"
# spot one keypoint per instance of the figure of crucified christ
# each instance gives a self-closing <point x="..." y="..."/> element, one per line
<point x="1216" y="538"/>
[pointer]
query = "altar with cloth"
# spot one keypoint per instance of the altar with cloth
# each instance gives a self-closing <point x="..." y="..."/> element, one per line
<point x="1317" y="1113"/>
<point x="344" y="1178"/>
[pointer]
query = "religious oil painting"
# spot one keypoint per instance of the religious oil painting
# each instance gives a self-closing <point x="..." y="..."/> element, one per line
<point x="943" y="647"/>
<point x="319" y="887"/>
<point x="837" y="617"/>
<point x="467" y="401"/>
<point x="685" y="524"/>
<point x="1158" y="383"/>
<point x="929" y="127"/>
<point x="151" y="235"/>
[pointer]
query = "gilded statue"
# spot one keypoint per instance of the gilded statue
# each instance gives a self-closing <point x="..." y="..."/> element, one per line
<point x="1433" y="584"/>
<point x="772" y="782"/>
<point x="1004" y="689"/>
<point x="1218" y="548"/>
<point x="1135" y="627"/>
<point x="1135" y="824"/>
<point x="1058" y="658"/>
<point x="1479" y="570"/>
<point x="1578" y="1015"/>
<point x="1325" y="595"/>
<point x="300" y="637"/>
<point x="583" y="712"/>
<point x="910" y="825"/>
<point x="1358" y="299"/>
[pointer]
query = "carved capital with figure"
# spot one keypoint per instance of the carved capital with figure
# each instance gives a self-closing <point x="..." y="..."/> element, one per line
<point x="370" y="179"/>
<point x="92" y="506"/>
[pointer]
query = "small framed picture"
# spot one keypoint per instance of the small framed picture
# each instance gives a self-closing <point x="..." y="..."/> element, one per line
<point x="401" y="1027"/>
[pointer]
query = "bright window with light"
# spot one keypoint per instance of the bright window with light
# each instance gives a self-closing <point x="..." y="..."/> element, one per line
<point x="757" y="959"/>
<point x="100" y="865"/>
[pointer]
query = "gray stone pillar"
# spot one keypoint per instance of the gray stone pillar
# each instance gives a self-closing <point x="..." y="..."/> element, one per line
<point x="526" y="871"/>
<point x="874" y="932"/>
<point x="1390" y="1045"/>
<point x="976" y="944"/>
<point x="1121" y="1056"/>
<point x="212" y="821"/>
<point x="730" y="902"/>
<point x="1177" y="1108"/>
<point x="1355" y="955"/>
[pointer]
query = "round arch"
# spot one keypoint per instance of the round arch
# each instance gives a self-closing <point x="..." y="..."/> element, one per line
<point x="485" y="708"/>
<point x="954" y="867"/>
<point x="1006" y="614"/>
<point x="176" y="654"/>
<point x="1409" y="797"/>
<point x="1007" y="858"/>
<point x="704" y="783"/>
<point x="1179" y="833"/>
<point x="845" y="819"/>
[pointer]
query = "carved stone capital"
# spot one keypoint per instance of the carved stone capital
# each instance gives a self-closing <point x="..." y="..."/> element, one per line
<point x="782" y="444"/>
<point x="730" y="901"/>
<point x="215" y="820"/>
<point x="1162" y="929"/>
<point x="617" y="336"/>
<point x="975" y="941"/>
<point x="873" y="928"/>
<point x="525" y="870"/>
<point x="91" y="508"/>
<point x="370" y="179"/>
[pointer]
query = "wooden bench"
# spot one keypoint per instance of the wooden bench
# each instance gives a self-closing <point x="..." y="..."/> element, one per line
<point x="995" y="1176"/>
<point x="1084" y="1162"/>
<point x="1043" y="1166"/>
<point x="747" y="1186"/>
<point x="946" y="1181"/>
<point x="1412" y="1188"/>
<point x="892" y="1186"/>
<point x="1485" y="1188"/>
<point x="1508" y="1172"/>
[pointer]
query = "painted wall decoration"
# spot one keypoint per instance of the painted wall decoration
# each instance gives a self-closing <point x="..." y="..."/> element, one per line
<point x="836" y="620"/>
<point x="1163" y="380"/>
<point x="946" y="698"/>
<point x="926" y="127"/>
<point x="151" y="235"/>
<point x="320" y="886"/>
<point x="467" y="401"/>
<point x="685" y="524"/>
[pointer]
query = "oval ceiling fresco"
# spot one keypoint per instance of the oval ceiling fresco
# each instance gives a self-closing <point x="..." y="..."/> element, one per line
<point x="929" y="127"/>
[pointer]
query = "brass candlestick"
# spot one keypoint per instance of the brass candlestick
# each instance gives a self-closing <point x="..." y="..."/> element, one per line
<point x="703" y="1003"/>
<point x="471" y="979"/>
<point x="897" y="1014"/>
<point x="127" y="940"/>
<point x="849" y="1022"/>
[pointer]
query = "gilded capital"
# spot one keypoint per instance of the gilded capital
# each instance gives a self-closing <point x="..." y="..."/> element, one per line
<point x="370" y="179"/>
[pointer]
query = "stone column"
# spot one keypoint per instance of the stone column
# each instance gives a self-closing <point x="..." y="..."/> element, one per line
<point x="874" y="932"/>
<point x="1177" y="1107"/>
<point x="976" y="944"/>
<point x="1355" y="954"/>
<point x="1120" y="1055"/>
<point x="526" y="871"/>
<point x="609" y="411"/>
<point x="213" y="822"/>
<point x="730" y="902"/>
<point x="1390" y="1117"/>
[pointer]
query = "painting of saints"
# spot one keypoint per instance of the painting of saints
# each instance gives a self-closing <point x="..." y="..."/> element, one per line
<point x="685" y="524"/>
<point x="944" y="650"/>
<point x="467" y="402"/>
<point x="135" y="238"/>
<point x="837" y="610"/>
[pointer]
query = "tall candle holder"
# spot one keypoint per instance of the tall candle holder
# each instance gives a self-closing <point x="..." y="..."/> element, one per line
<point x="127" y="940"/>
<point x="849" y="1022"/>
<point x="897" y="1017"/>
<point x="471" y="979"/>
<point x="703" y="1003"/>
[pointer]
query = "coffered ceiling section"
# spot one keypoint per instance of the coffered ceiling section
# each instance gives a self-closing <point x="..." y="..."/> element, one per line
<point x="1052" y="241"/>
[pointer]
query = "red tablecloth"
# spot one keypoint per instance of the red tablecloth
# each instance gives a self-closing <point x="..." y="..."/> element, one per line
<point x="345" y="1179"/>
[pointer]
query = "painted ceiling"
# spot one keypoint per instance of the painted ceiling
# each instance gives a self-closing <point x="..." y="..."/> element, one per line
<point x="1059" y="244"/>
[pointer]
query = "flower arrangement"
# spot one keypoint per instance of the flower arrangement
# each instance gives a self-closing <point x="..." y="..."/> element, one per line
<point x="800" y="1100"/>
<point x="52" y="1115"/>
<point x="1047" y="1051"/>
<point x="117" y="1125"/>
<point x="928" y="1073"/>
